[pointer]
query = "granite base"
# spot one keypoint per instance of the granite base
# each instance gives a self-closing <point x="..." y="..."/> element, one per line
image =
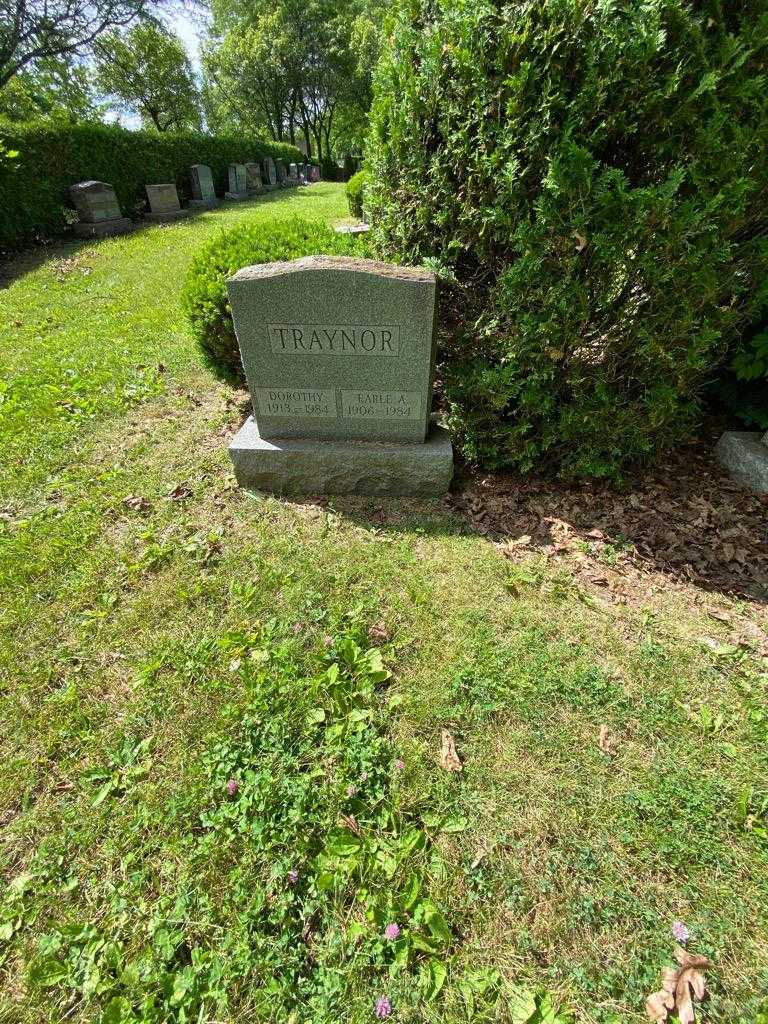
<point x="203" y="204"/>
<point x="745" y="455"/>
<point x="312" y="466"/>
<point x="103" y="228"/>
<point x="167" y="217"/>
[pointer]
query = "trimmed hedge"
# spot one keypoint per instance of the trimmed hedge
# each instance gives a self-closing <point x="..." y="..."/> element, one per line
<point x="204" y="296"/>
<point x="354" y="190"/>
<point x="594" y="180"/>
<point x="35" y="186"/>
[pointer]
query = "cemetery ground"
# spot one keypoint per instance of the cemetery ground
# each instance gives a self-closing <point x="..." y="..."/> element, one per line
<point x="213" y="797"/>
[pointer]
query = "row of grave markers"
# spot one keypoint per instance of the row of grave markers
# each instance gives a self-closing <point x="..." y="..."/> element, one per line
<point x="99" y="212"/>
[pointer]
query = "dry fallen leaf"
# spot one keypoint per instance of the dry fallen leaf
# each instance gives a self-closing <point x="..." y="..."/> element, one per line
<point x="378" y="633"/>
<point x="449" y="759"/>
<point x="606" y="742"/>
<point x="678" y="987"/>
<point x="350" y="821"/>
<point x="180" y="492"/>
<point x="136" y="503"/>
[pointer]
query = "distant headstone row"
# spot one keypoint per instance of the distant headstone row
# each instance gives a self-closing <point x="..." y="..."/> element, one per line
<point x="99" y="213"/>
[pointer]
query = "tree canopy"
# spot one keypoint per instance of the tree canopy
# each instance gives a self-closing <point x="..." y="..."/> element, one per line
<point x="35" y="30"/>
<point x="147" y="71"/>
<point x="298" y="69"/>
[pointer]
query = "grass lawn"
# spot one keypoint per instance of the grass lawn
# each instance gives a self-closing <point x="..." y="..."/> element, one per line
<point x="220" y="775"/>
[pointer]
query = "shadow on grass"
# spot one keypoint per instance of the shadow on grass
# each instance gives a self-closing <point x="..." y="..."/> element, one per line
<point x="18" y="264"/>
<point x="15" y="265"/>
<point x="684" y="524"/>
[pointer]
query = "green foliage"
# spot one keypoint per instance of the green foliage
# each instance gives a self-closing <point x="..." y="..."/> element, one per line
<point x="355" y="193"/>
<point x="57" y="89"/>
<point x="751" y="363"/>
<point x="34" y="31"/>
<point x="205" y="298"/>
<point x="53" y="157"/>
<point x="306" y="754"/>
<point x="742" y="385"/>
<point x="148" y="71"/>
<point x="301" y="68"/>
<point x="594" y="182"/>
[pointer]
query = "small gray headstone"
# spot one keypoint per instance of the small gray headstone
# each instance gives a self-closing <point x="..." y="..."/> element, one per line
<point x="282" y="173"/>
<point x="164" y="203"/>
<point x="314" y="173"/>
<point x="237" y="182"/>
<point x="95" y="201"/>
<point x="202" y="183"/>
<point x="253" y="178"/>
<point x="293" y="173"/>
<point x="97" y="209"/>
<point x="270" y="171"/>
<point x="163" y="198"/>
<point x="745" y="455"/>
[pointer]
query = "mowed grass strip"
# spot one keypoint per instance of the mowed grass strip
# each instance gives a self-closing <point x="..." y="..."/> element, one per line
<point x="154" y="651"/>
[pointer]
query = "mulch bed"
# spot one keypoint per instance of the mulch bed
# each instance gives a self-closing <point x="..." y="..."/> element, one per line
<point x="688" y="522"/>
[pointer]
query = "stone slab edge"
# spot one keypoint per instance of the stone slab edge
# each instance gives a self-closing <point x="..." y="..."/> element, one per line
<point x="203" y="204"/>
<point x="102" y="228"/>
<point x="745" y="456"/>
<point x="312" y="466"/>
<point x="169" y="215"/>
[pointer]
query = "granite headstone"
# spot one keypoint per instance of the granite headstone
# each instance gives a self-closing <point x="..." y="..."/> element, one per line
<point x="339" y="358"/>
<point x="253" y="178"/>
<point x="164" y="203"/>
<point x="97" y="210"/>
<point x="744" y="453"/>
<point x="203" y="193"/>
<point x="270" y="173"/>
<point x="237" y="183"/>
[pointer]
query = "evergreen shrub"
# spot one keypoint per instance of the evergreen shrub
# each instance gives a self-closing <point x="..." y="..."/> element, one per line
<point x="51" y="157"/>
<point x="592" y="178"/>
<point x="204" y="296"/>
<point x="742" y="385"/>
<point x="354" y="189"/>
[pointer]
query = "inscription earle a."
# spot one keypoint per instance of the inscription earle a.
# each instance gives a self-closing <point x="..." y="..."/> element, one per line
<point x="334" y="339"/>
<point x="382" y="405"/>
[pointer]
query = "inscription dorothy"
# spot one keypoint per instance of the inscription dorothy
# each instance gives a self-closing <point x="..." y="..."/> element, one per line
<point x="337" y="348"/>
<point x="336" y="339"/>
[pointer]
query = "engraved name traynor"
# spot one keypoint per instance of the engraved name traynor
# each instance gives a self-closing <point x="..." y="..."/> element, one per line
<point x="334" y="339"/>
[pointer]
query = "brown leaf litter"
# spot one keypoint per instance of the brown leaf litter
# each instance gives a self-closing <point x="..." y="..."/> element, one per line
<point x="679" y="985"/>
<point x="449" y="758"/>
<point x="686" y="522"/>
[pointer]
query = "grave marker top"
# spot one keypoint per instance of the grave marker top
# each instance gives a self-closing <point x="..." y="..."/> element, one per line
<point x="95" y="201"/>
<point x="163" y="198"/>
<point x="237" y="178"/>
<point x="253" y="177"/>
<point x="202" y="182"/>
<point x="335" y="347"/>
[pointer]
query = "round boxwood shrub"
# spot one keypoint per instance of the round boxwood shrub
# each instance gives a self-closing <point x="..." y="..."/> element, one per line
<point x="204" y="296"/>
<point x="593" y="179"/>
<point x="354" y="190"/>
